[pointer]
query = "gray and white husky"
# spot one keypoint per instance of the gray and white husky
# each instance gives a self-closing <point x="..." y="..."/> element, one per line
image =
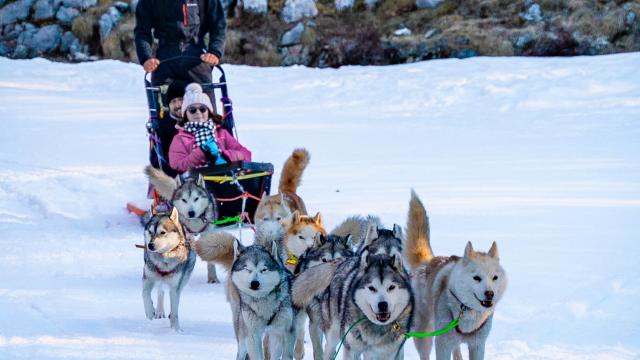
<point x="169" y="261"/>
<point x="188" y="193"/>
<point x="467" y="287"/>
<point x="259" y="292"/>
<point x="325" y="249"/>
<point x="368" y="294"/>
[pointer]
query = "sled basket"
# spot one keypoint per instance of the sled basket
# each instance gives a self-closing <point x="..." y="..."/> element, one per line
<point x="235" y="183"/>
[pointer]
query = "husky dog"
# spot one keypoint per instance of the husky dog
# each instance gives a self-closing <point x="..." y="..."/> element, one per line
<point x="326" y="249"/>
<point x="301" y="231"/>
<point x="447" y="288"/>
<point x="259" y="292"/>
<point x="368" y="295"/>
<point x="168" y="260"/>
<point x="194" y="203"/>
<point x="279" y="206"/>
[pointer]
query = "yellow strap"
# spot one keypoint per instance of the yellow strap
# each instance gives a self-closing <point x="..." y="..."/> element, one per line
<point x="225" y="178"/>
<point x="292" y="259"/>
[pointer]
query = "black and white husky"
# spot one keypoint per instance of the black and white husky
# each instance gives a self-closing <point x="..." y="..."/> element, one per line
<point x="195" y="204"/>
<point x="368" y="298"/>
<point x="169" y="261"/>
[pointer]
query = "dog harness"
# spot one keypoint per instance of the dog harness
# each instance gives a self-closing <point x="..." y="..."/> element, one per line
<point x="464" y="308"/>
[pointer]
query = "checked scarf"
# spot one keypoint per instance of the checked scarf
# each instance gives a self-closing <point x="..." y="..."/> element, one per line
<point x="203" y="131"/>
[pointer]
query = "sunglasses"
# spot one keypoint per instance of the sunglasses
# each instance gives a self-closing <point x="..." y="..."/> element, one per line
<point x="193" y="110"/>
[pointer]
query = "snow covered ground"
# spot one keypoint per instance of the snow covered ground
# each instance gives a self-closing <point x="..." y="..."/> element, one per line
<point x="540" y="155"/>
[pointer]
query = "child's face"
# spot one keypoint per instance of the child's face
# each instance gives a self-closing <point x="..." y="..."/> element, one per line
<point x="197" y="113"/>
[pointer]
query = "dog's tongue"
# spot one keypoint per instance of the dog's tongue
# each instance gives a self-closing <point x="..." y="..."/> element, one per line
<point x="382" y="317"/>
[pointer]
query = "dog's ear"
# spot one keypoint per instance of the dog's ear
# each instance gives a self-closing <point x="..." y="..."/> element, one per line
<point x="396" y="262"/>
<point x="153" y="210"/>
<point x="175" y="216"/>
<point x="468" y="251"/>
<point x="493" y="252"/>
<point x="200" y="181"/>
<point x="318" y="219"/>
<point x="318" y="240"/>
<point x="264" y="197"/>
<point x="364" y="259"/>
<point x="179" y="181"/>
<point x="237" y="249"/>
<point x="348" y="241"/>
<point x="295" y="218"/>
<point x="372" y="233"/>
<point x="397" y="231"/>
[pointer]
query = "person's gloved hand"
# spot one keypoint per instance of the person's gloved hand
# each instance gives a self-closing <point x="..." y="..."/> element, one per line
<point x="210" y="147"/>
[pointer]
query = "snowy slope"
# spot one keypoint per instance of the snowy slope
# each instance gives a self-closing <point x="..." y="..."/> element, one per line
<point x="540" y="155"/>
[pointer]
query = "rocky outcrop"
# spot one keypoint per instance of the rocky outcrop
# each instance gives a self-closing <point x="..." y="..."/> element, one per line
<point x="331" y="33"/>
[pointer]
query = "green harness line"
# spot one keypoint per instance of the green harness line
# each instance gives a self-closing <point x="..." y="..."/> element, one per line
<point x="407" y="335"/>
<point x="227" y="220"/>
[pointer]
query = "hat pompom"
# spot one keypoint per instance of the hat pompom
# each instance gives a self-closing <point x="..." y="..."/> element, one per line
<point x="193" y="88"/>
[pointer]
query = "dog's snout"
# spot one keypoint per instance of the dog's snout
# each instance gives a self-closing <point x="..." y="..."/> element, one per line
<point x="255" y="285"/>
<point x="191" y="213"/>
<point x="488" y="295"/>
<point x="151" y="247"/>
<point x="383" y="306"/>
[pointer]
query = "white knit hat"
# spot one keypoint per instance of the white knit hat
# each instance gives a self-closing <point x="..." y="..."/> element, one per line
<point x="193" y="95"/>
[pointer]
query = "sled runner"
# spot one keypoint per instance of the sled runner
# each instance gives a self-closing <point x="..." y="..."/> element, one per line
<point x="237" y="187"/>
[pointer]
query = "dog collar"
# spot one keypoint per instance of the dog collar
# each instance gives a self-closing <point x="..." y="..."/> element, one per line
<point x="293" y="259"/>
<point x="463" y="307"/>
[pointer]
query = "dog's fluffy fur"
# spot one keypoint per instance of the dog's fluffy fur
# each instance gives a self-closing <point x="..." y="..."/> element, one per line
<point x="447" y="287"/>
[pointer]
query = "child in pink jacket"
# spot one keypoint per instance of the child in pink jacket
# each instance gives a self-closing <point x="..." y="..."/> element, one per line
<point x="200" y="141"/>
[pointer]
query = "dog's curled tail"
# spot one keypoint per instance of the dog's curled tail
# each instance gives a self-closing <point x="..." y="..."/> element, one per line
<point x="292" y="170"/>
<point x="312" y="282"/>
<point x="164" y="184"/>
<point x="418" y="249"/>
<point x="216" y="246"/>
<point x="356" y="226"/>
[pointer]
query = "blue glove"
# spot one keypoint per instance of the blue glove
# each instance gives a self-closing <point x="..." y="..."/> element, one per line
<point x="210" y="147"/>
<point x="212" y="151"/>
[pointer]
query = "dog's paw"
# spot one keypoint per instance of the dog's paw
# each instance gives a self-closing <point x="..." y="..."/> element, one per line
<point x="213" y="281"/>
<point x="175" y="325"/>
<point x="159" y="314"/>
<point x="150" y="313"/>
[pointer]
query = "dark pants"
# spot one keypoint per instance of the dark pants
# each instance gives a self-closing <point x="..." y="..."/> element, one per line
<point x="189" y="68"/>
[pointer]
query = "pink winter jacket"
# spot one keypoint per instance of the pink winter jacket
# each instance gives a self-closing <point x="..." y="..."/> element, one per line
<point x="183" y="156"/>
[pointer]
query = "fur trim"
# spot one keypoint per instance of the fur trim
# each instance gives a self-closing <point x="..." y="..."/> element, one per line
<point x="418" y="249"/>
<point x="292" y="170"/>
<point x="164" y="184"/>
<point x="312" y="282"/>
<point x="217" y="247"/>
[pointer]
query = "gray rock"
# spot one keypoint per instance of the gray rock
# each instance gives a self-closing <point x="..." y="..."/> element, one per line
<point x="533" y="14"/>
<point x="44" y="9"/>
<point x="25" y="37"/>
<point x="630" y="18"/>
<point x="522" y="41"/>
<point x="80" y="4"/>
<point x="15" y="11"/>
<point x="255" y="6"/>
<point x="4" y="49"/>
<point x="68" y="41"/>
<point x="11" y="32"/>
<point x="294" y="55"/>
<point x="46" y="40"/>
<point x="342" y="5"/>
<point x="292" y="37"/>
<point x="108" y="22"/>
<point x="462" y="40"/>
<point x="466" y="53"/>
<point x="295" y="10"/>
<point x="20" y="52"/>
<point x="66" y="15"/>
<point x="428" y="4"/>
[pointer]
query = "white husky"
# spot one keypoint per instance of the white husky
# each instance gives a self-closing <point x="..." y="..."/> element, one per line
<point x="447" y="288"/>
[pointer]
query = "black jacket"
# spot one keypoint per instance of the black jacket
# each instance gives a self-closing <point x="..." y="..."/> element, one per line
<point x="179" y="21"/>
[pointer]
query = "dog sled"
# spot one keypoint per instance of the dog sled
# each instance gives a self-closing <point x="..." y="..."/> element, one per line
<point x="236" y="187"/>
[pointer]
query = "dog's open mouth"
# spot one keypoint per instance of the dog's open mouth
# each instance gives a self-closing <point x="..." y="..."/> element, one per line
<point x="485" y="303"/>
<point x="383" y="316"/>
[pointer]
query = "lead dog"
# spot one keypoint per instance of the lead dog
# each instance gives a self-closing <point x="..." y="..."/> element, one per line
<point x="446" y="288"/>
